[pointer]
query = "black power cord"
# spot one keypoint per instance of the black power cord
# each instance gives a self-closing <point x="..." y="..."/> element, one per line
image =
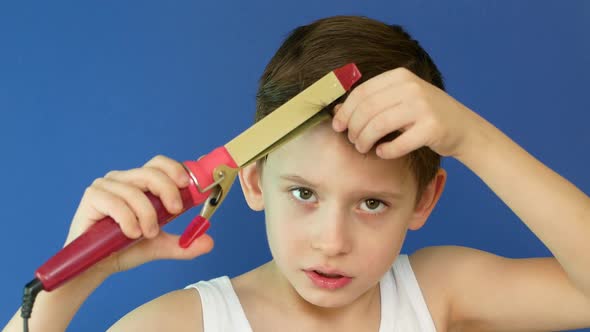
<point x="30" y="294"/>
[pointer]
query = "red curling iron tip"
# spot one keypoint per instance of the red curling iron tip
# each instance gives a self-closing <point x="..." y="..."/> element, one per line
<point x="347" y="75"/>
<point x="194" y="230"/>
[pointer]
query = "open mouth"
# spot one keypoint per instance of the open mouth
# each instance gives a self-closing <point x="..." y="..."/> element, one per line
<point x="326" y="280"/>
<point x="328" y="275"/>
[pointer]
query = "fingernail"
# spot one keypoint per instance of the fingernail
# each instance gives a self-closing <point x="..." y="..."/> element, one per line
<point x="379" y="151"/>
<point x="154" y="230"/>
<point x="337" y="125"/>
<point x="351" y="138"/>
<point x="184" y="179"/>
<point x="177" y="205"/>
<point x="136" y="233"/>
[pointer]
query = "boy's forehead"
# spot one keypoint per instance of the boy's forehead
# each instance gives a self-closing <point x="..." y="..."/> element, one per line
<point x="321" y="153"/>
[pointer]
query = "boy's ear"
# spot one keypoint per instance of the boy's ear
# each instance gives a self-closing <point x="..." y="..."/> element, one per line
<point x="428" y="200"/>
<point x="251" y="182"/>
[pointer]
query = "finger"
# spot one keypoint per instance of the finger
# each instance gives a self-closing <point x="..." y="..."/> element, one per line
<point x="370" y="107"/>
<point x="144" y="211"/>
<point x="407" y="142"/>
<point x="97" y="203"/>
<point x="170" y="167"/>
<point x="396" y="118"/>
<point x="392" y="77"/>
<point x="152" y="180"/>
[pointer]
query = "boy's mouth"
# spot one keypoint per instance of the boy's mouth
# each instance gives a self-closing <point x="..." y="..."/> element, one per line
<point x="328" y="275"/>
<point x="327" y="278"/>
<point x="327" y="272"/>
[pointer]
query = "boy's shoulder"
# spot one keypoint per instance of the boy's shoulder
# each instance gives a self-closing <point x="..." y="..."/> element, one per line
<point x="179" y="310"/>
<point x="446" y="272"/>
<point x="433" y="268"/>
<point x="438" y="268"/>
<point x="469" y="289"/>
<point x="439" y="259"/>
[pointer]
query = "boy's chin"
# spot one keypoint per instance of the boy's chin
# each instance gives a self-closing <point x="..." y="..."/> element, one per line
<point x="324" y="299"/>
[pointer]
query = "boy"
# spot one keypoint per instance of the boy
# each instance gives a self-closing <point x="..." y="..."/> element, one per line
<point x="338" y="201"/>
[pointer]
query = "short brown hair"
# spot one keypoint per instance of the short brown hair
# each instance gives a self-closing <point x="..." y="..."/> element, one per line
<point x="310" y="51"/>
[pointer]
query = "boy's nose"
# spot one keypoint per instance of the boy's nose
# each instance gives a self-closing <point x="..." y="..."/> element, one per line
<point x="331" y="234"/>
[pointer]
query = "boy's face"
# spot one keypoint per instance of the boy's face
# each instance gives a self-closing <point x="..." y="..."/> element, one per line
<point x="330" y="209"/>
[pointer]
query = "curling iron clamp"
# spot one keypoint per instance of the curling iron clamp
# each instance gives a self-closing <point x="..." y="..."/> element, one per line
<point x="211" y="177"/>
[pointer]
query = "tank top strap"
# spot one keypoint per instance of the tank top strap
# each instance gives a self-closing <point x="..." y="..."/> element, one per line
<point x="388" y="292"/>
<point x="412" y="313"/>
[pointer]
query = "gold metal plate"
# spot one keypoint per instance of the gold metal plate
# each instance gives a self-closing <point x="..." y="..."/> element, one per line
<point x="286" y="121"/>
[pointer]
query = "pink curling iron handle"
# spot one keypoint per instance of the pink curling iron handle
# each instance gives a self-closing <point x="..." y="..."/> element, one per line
<point x="98" y="242"/>
<point x="105" y="236"/>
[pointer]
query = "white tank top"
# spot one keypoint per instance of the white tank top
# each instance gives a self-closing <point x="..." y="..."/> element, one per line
<point x="402" y="305"/>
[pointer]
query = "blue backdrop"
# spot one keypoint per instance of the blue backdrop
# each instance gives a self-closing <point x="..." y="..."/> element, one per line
<point x="89" y="87"/>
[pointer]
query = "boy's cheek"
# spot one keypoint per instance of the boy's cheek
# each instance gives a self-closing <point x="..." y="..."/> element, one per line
<point x="287" y="242"/>
<point x="288" y="226"/>
<point x="286" y="210"/>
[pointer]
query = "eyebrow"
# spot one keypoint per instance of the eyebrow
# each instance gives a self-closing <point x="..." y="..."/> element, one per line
<point x="297" y="178"/>
<point x="368" y="193"/>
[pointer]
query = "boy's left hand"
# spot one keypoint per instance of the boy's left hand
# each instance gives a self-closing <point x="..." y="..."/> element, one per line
<point x="400" y="100"/>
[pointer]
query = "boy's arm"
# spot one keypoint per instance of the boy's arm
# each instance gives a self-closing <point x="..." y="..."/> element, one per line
<point x="176" y="311"/>
<point x="120" y="195"/>
<point x="54" y="310"/>
<point x="495" y="293"/>
<point x="472" y="290"/>
<point x="553" y="208"/>
<point x="556" y="211"/>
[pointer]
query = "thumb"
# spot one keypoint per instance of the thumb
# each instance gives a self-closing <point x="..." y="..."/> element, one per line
<point x="163" y="246"/>
<point x="166" y="247"/>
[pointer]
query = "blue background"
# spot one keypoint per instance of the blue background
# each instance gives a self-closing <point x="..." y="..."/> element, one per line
<point x="86" y="87"/>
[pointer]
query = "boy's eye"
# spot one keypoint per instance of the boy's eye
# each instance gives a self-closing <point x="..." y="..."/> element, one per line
<point x="302" y="194"/>
<point x="373" y="205"/>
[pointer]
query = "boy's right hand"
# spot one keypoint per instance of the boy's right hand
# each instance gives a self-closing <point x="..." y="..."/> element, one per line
<point x="120" y="195"/>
